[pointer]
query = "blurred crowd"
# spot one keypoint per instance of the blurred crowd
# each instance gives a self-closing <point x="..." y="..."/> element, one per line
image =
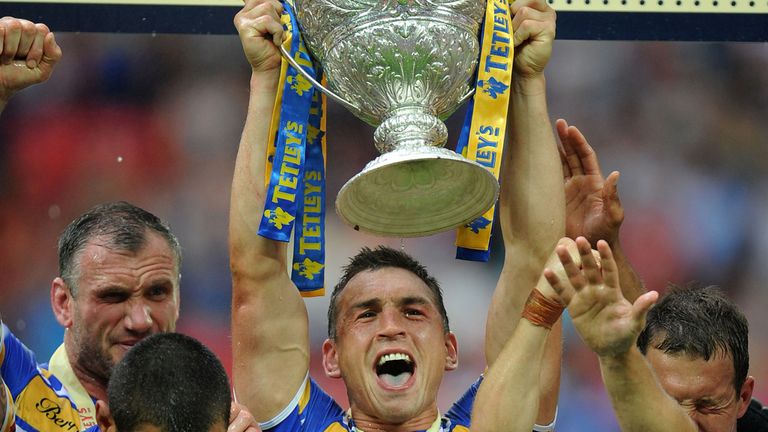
<point x="155" y="120"/>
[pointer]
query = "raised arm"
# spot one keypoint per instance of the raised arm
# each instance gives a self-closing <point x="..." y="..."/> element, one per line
<point x="592" y="206"/>
<point x="270" y="337"/>
<point x="512" y="383"/>
<point x="531" y="205"/>
<point x="609" y="325"/>
<point x="28" y="53"/>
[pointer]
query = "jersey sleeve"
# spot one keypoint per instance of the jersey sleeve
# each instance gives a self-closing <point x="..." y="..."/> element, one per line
<point x="17" y="363"/>
<point x="312" y="409"/>
<point x="460" y="413"/>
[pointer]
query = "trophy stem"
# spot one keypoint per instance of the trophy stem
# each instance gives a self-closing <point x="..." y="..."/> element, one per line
<point x="410" y="127"/>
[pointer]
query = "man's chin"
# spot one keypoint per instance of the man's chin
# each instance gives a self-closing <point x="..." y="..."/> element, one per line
<point x="399" y="413"/>
<point x="400" y="406"/>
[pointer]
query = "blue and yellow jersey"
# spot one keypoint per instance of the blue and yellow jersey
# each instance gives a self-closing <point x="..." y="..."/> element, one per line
<point x="314" y="410"/>
<point x="41" y="401"/>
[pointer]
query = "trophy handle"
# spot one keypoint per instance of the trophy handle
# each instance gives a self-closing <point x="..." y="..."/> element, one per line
<point x="348" y="105"/>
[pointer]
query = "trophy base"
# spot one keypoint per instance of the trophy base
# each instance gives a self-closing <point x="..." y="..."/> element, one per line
<point x="416" y="192"/>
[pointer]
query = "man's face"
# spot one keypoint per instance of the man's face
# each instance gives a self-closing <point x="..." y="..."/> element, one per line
<point x="391" y="348"/>
<point x="120" y="299"/>
<point x="704" y="388"/>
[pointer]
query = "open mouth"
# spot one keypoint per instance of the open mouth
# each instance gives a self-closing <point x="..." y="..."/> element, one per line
<point x="395" y="369"/>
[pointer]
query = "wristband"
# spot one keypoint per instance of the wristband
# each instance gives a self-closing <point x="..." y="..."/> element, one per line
<point x="542" y="311"/>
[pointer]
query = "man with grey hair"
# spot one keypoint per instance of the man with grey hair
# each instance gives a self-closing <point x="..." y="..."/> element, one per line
<point x="119" y="268"/>
<point x="119" y="283"/>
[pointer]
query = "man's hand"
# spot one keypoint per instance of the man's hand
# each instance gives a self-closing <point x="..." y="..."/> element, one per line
<point x="605" y="320"/>
<point x="241" y="420"/>
<point x="261" y="33"/>
<point x="533" y="24"/>
<point x="28" y="53"/>
<point x="554" y="265"/>
<point x="592" y="205"/>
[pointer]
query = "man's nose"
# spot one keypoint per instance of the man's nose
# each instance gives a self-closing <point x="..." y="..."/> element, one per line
<point x="138" y="317"/>
<point x="391" y="324"/>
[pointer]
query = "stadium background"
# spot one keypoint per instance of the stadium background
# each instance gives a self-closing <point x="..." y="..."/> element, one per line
<point x="155" y="119"/>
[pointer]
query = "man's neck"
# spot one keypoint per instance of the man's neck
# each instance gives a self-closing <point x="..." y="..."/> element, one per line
<point x="422" y="422"/>
<point x="95" y="387"/>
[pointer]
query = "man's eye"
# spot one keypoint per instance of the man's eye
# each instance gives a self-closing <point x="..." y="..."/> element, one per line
<point x="709" y="409"/>
<point x="113" y="297"/>
<point x="366" y="314"/>
<point x="158" y="292"/>
<point x="413" y="312"/>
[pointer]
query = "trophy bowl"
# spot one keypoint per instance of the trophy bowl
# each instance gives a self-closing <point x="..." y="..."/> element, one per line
<point x="403" y="66"/>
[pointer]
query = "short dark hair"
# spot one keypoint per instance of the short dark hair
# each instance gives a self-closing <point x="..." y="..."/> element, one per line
<point x="171" y="381"/>
<point x="374" y="259"/>
<point x="121" y="223"/>
<point x="700" y="322"/>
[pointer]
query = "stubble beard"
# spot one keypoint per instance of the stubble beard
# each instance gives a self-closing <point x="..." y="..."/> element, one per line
<point x="92" y="359"/>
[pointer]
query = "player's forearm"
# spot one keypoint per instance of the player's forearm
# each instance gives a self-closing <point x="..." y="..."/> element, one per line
<point x="549" y="377"/>
<point x="511" y="385"/>
<point x="250" y="254"/>
<point x="531" y="207"/>
<point x="507" y="304"/>
<point x="532" y="196"/>
<point x="637" y="397"/>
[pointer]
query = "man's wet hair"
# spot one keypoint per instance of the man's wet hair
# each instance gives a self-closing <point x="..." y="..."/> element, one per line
<point x="699" y="322"/>
<point x="122" y="225"/>
<point x="373" y="259"/>
<point x="171" y="381"/>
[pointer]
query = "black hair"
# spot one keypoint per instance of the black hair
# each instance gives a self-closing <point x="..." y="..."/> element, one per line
<point x="122" y="224"/>
<point x="374" y="259"/>
<point x="171" y="381"/>
<point x="699" y="322"/>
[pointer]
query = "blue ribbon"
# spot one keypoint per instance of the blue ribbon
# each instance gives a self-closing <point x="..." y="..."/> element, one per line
<point x="308" y="270"/>
<point x="296" y="189"/>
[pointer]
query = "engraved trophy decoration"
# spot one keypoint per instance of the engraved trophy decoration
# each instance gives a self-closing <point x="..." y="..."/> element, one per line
<point x="403" y="66"/>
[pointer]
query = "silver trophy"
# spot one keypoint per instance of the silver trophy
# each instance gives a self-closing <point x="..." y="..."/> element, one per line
<point x="403" y="66"/>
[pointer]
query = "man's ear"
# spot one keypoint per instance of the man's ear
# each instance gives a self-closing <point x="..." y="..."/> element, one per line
<point x="62" y="302"/>
<point x="331" y="359"/>
<point x="745" y="395"/>
<point x="104" y="417"/>
<point x="451" y="351"/>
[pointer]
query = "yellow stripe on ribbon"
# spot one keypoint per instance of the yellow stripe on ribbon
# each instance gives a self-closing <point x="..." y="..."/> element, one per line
<point x="489" y="117"/>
